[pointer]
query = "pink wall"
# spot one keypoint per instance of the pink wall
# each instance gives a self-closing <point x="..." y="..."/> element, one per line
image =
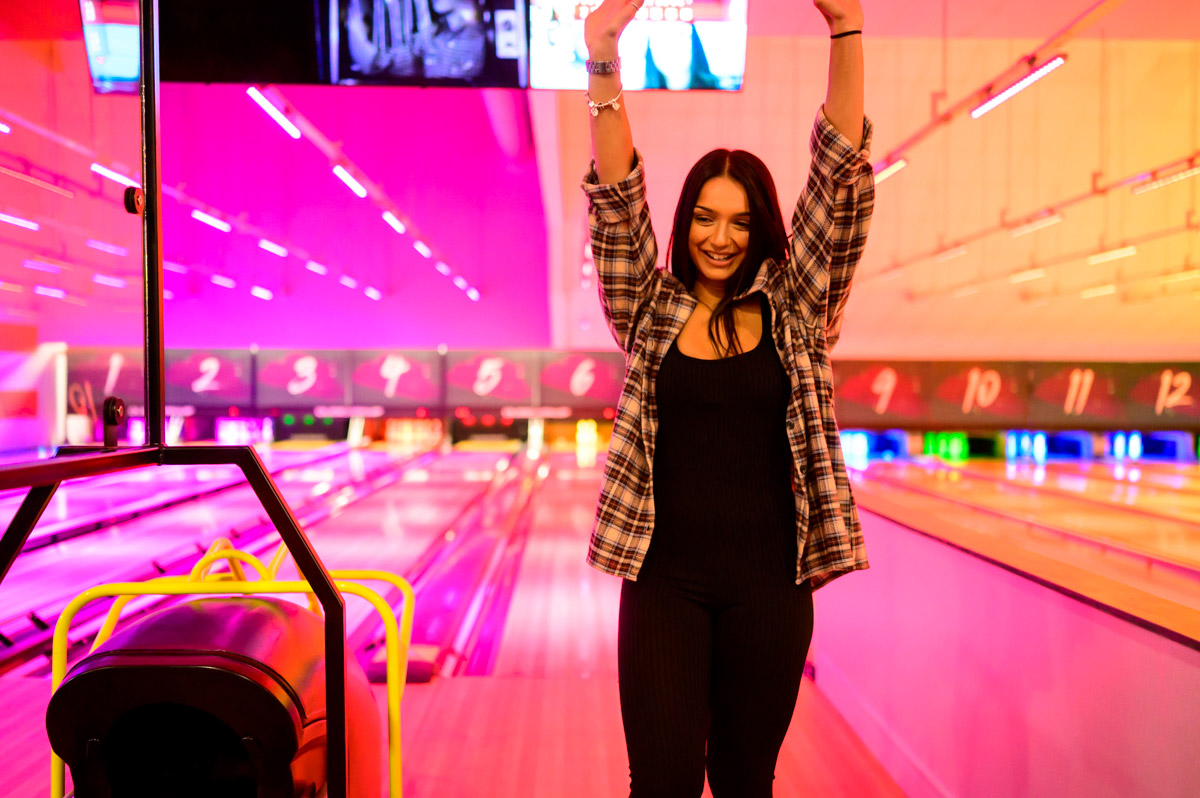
<point x="968" y="680"/>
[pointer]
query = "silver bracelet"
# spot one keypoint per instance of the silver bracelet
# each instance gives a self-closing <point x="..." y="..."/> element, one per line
<point x="603" y="67"/>
<point x="614" y="103"/>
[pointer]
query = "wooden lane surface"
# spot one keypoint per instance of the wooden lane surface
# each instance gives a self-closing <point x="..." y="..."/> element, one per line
<point x="513" y="737"/>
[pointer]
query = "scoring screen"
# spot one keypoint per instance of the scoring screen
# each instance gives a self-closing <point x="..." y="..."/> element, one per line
<point x="301" y="378"/>
<point x="397" y="379"/>
<point x="208" y="378"/>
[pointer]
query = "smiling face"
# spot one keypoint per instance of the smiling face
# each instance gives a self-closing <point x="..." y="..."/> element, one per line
<point x="719" y="232"/>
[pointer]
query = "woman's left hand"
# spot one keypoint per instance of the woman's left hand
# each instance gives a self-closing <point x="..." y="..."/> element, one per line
<point x="841" y="15"/>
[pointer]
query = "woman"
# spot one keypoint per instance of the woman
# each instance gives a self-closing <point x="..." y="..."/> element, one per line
<point x="725" y="499"/>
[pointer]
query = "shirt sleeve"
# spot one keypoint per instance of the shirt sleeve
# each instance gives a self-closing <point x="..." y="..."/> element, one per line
<point x="829" y="227"/>
<point x="623" y="248"/>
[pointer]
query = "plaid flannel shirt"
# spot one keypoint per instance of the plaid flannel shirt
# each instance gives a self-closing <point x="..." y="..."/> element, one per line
<point x="646" y="307"/>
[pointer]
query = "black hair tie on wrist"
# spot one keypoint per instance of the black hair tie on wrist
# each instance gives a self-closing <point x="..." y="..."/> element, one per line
<point x="846" y="33"/>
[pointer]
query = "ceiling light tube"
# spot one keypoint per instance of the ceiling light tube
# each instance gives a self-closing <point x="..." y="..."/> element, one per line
<point x="373" y="293"/>
<point x="473" y="294"/>
<point x="1037" y="224"/>
<point x="13" y="287"/>
<point x="348" y="281"/>
<point x="461" y="283"/>
<point x="1112" y="254"/>
<point x="950" y="254"/>
<point x="273" y="112"/>
<point x="272" y="247"/>
<point x="1100" y="290"/>
<point x="172" y="266"/>
<point x="44" y="290"/>
<point x="423" y="248"/>
<point x="443" y="269"/>
<point x="1026" y="276"/>
<point x="111" y="249"/>
<point x="349" y="180"/>
<point x="41" y="266"/>
<point x="261" y="293"/>
<point x="395" y="223"/>
<point x="885" y="172"/>
<point x="1022" y="84"/>
<point x="168" y="294"/>
<point x="5" y="128"/>
<point x="223" y="281"/>
<point x="1150" y="185"/>
<point x="104" y="279"/>
<point x="211" y="221"/>
<point x="1179" y="277"/>
<point x="116" y="177"/>
<point x="316" y="268"/>
<point x="19" y="222"/>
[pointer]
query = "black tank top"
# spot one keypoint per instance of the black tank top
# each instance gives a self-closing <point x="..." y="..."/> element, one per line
<point x="722" y="465"/>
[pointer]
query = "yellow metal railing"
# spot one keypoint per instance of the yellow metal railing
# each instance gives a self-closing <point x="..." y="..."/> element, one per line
<point x="203" y="581"/>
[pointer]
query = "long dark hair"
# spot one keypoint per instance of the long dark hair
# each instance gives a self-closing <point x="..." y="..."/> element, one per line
<point x="768" y="236"/>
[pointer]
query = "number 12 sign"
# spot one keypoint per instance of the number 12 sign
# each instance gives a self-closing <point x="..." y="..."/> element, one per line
<point x="1163" y="394"/>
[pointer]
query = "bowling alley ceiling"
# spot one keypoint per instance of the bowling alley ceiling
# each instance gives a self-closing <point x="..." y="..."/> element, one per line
<point x="1018" y="234"/>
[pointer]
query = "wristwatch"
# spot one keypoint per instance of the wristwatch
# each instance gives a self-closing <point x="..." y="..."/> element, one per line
<point x="603" y="67"/>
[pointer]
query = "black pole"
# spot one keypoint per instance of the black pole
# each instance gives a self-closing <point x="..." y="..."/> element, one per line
<point x="152" y="271"/>
<point x="31" y="509"/>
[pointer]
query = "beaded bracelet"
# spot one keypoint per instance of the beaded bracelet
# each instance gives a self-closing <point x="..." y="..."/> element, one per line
<point x="614" y="103"/>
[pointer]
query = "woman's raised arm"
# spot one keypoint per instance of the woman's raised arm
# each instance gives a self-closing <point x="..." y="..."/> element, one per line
<point x="844" y="94"/>
<point x="612" y="139"/>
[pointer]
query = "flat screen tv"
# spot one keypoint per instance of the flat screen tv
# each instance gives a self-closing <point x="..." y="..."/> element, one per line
<point x="110" y="35"/>
<point x="671" y="44"/>
<point x="479" y="43"/>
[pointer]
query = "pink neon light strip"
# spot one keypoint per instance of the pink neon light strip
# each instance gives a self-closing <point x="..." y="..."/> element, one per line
<point x="272" y="247"/>
<point x="211" y="221"/>
<point x="19" y="222"/>
<point x="116" y="177"/>
<point x="273" y="112"/>
<point x="1022" y="84"/>
<point x="104" y="279"/>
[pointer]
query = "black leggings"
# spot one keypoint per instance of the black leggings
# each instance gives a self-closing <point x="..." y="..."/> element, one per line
<point x="713" y="660"/>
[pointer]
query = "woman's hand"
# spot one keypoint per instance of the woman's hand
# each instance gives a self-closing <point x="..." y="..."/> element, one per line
<point x="841" y="15"/>
<point x="603" y="27"/>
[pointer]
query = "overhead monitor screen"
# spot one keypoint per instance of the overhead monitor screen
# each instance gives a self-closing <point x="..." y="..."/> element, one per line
<point x="671" y="44"/>
<point x="110" y="36"/>
<point x="428" y="42"/>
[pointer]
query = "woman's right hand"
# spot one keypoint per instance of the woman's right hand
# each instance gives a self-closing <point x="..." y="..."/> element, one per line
<point x="602" y="28"/>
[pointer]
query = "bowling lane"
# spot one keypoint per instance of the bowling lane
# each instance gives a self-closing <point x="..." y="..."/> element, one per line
<point x="1162" y="534"/>
<point x="562" y="619"/>
<point x="92" y="500"/>
<point x="1075" y="546"/>
<point x="41" y="581"/>
<point x="390" y="529"/>
<point x="1163" y="494"/>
